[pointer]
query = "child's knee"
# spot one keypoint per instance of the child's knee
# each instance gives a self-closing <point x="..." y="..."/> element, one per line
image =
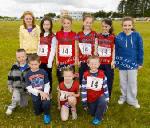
<point x="72" y="100"/>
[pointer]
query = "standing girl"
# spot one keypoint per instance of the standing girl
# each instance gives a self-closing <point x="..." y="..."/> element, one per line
<point x="106" y="52"/>
<point x="86" y="44"/>
<point x="129" y="58"/>
<point x="47" y="47"/>
<point x="29" y="33"/>
<point x="66" y="47"/>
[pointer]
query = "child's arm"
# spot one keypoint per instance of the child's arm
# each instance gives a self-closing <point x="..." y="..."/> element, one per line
<point x="38" y="34"/>
<point x="47" y="88"/>
<point x="77" y="94"/>
<point x="21" y="37"/>
<point x="10" y="81"/>
<point x="140" y="51"/>
<point x="52" y="53"/>
<point x="84" y="93"/>
<point x="113" y="58"/>
<point x="96" y="46"/>
<point x="58" y="98"/>
<point x="105" y="87"/>
<point x="76" y="53"/>
<point x="57" y="54"/>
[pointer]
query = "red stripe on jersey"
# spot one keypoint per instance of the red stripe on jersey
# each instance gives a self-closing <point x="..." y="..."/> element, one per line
<point x="74" y="88"/>
<point x="65" y="40"/>
<point x="89" y="39"/>
<point x="91" y="94"/>
<point x="105" y="48"/>
<point x="46" y="41"/>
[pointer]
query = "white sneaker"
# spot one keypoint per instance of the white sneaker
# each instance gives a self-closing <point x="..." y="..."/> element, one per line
<point x="137" y="106"/>
<point x="121" y="102"/>
<point x="8" y="112"/>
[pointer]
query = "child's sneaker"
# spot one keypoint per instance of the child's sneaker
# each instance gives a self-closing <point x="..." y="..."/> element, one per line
<point x="47" y="119"/>
<point x="136" y="106"/>
<point x="9" y="111"/>
<point x="96" y="121"/>
<point x="74" y="115"/>
<point x="121" y="102"/>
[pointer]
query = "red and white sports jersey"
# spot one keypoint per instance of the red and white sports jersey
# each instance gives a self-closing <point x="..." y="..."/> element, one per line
<point x="66" y="47"/>
<point x="45" y="48"/>
<point x="105" y="48"/>
<point x="64" y="91"/>
<point x="92" y="93"/>
<point x="86" y="45"/>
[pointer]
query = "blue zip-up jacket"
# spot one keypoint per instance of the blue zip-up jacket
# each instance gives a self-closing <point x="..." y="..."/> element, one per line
<point x="128" y="51"/>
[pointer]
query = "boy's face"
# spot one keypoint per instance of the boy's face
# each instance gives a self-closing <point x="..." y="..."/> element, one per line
<point x="21" y="57"/>
<point x="34" y="65"/>
<point x="68" y="77"/>
<point x="94" y="64"/>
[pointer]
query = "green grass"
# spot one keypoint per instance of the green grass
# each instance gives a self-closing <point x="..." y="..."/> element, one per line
<point x="117" y="116"/>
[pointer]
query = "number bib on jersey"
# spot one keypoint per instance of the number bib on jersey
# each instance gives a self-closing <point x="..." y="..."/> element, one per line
<point x="94" y="83"/>
<point x="104" y="52"/>
<point x="85" y="48"/>
<point x="43" y="50"/>
<point x="63" y="95"/>
<point x="65" y="50"/>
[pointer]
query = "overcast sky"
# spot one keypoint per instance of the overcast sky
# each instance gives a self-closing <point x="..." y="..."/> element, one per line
<point x="40" y="7"/>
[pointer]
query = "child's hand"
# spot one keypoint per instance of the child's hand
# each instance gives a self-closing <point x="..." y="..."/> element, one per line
<point x="85" y="108"/>
<point x="44" y="96"/>
<point x="140" y="67"/>
<point x="76" y="75"/>
<point x="57" y="63"/>
<point x="71" y="93"/>
<point x="10" y="89"/>
<point x="112" y="65"/>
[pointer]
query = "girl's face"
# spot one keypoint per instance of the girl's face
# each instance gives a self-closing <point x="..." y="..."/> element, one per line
<point x="87" y="23"/>
<point x="68" y="77"/>
<point x="105" y="27"/>
<point x="46" y="26"/>
<point x="127" y="26"/>
<point x="28" y="20"/>
<point x="66" y="24"/>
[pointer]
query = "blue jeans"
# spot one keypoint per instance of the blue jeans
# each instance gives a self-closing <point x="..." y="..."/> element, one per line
<point x="98" y="108"/>
<point x="41" y="105"/>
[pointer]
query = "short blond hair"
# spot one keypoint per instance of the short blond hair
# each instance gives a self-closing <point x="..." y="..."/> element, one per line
<point x="92" y="57"/>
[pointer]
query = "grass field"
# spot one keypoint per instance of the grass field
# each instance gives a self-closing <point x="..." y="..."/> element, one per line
<point x="116" y="117"/>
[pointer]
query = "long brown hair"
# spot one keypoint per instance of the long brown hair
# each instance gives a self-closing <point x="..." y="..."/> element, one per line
<point x="66" y="17"/>
<point x="108" y="21"/>
<point x="51" y="25"/>
<point x="33" y="18"/>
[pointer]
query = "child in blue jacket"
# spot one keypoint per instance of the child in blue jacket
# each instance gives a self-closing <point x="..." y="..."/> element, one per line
<point x="129" y="58"/>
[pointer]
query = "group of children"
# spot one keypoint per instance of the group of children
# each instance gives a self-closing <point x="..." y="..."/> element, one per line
<point x="96" y="55"/>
